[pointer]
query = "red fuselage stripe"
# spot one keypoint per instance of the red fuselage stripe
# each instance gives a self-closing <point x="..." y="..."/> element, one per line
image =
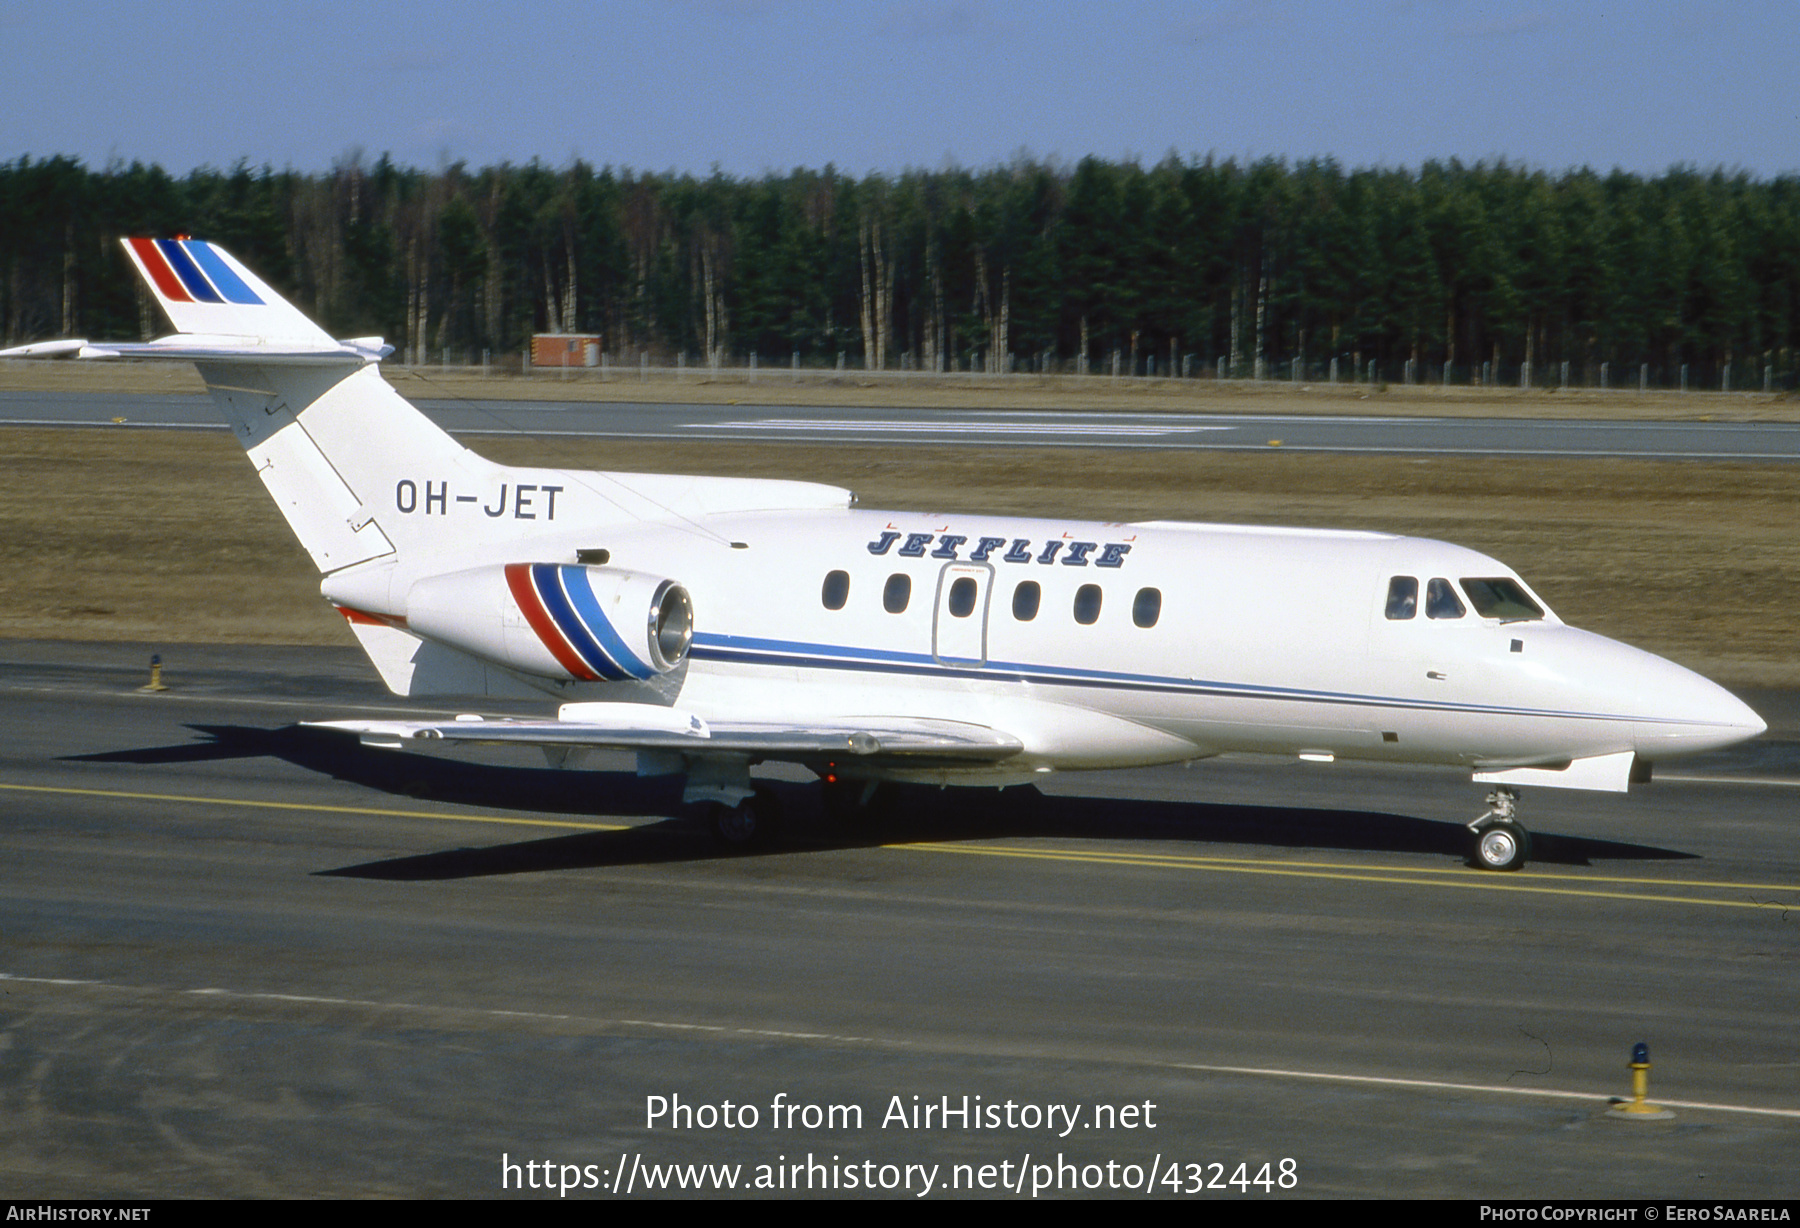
<point x="351" y="614"/>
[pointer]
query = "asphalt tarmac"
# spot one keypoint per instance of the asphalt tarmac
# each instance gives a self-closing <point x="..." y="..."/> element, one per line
<point x="1413" y="436"/>
<point x="244" y="958"/>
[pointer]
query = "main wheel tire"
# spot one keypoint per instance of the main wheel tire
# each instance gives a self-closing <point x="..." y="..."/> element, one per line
<point x="749" y="824"/>
<point x="1502" y="847"/>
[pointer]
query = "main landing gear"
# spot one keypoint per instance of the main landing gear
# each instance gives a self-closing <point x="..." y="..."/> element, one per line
<point x="1501" y="842"/>
<point x="750" y="824"/>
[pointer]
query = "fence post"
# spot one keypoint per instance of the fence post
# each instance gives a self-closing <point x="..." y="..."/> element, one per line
<point x="1603" y="367"/>
<point x="1643" y="377"/>
<point x="1684" y="368"/>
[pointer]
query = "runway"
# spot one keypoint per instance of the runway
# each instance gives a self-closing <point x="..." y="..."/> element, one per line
<point x="1743" y="441"/>
<point x="247" y="958"/>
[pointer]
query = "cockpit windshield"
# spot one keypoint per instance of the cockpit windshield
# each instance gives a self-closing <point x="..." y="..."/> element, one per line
<point x="1502" y="598"/>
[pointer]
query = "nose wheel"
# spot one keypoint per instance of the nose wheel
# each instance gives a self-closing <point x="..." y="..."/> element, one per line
<point x="1500" y="840"/>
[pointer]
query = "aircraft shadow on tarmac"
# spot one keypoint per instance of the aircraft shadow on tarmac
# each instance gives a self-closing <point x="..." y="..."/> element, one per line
<point x="901" y="814"/>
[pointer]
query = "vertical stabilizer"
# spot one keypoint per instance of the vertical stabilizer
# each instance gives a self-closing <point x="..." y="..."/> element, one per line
<point x="203" y="289"/>
<point x="330" y="439"/>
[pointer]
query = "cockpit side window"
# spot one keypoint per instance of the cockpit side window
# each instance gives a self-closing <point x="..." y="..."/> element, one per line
<point x="1403" y="597"/>
<point x="1502" y="598"/>
<point x="1441" y="600"/>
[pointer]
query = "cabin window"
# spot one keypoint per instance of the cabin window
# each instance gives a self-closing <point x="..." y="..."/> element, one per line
<point x="836" y="590"/>
<point x="1026" y="599"/>
<point x="1441" y="600"/>
<point x="962" y="597"/>
<point x="897" y="593"/>
<point x="1403" y="597"/>
<point x="1502" y="598"/>
<point x="1087" y="604"/>
<point x="1146" y="607"/>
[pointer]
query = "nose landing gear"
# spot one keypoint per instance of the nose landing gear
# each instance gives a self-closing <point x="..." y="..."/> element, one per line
<point x="1501" y="842"/>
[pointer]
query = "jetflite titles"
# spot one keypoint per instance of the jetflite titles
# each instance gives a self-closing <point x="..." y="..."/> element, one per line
<point x="1006" y="550"/>
<point x="521" y="501"/>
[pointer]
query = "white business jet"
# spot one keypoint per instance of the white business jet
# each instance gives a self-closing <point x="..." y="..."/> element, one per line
<point x="711" y="624"/>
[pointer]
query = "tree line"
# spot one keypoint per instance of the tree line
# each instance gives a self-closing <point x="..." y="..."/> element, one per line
<point x="1184" y="267"/>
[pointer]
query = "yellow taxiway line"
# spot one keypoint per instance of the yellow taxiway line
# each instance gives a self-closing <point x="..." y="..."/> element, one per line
<point x="317" y="808"/>
<point x="1473" y="880"/>
<point x="1405" y="876"/>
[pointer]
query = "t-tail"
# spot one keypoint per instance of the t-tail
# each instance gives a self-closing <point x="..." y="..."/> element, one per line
<point x="387" y="504"/>
<point x="329" y="437"/>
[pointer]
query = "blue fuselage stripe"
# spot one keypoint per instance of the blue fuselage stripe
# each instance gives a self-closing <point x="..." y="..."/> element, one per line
<point x="752" y="651"/>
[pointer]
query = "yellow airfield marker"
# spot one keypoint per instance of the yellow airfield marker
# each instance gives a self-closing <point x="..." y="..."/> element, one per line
<point x="156" y="682"/>
<point x="1638" y="1108"/>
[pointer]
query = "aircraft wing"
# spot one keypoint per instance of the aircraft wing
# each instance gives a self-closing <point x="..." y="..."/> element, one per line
<point x="617" y="726"/>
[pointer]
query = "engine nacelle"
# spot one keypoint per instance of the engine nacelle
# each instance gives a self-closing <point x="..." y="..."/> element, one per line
<point x="558" y="620"/>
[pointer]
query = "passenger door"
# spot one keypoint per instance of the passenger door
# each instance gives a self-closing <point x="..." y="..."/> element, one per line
<point x="959" y="624"/>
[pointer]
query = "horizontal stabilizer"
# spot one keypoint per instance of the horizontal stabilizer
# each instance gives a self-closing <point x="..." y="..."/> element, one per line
<point x="191" y="347"/>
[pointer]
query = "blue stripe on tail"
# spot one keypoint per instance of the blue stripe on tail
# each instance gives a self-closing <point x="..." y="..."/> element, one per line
<point x="228" y="283"/>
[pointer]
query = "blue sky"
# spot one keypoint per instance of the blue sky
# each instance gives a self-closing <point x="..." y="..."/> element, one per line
<point x="754" y="85"/>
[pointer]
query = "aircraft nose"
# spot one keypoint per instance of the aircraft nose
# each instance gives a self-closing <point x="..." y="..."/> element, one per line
<point x="1691" y="715"/>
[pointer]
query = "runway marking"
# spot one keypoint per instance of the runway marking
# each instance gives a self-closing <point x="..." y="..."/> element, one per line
<point x="372" y="1004"/>
<point x="727" y="1030"/>
<point x="318" y="808"/>
<point x="893" y="426"/>
<point x="1490" y="1088"/>
<point x="107" y="422"/>
<point x="1472" y="880"/>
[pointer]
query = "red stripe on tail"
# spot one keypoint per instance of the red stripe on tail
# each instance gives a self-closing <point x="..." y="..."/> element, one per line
<point x="167" y="284"/>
